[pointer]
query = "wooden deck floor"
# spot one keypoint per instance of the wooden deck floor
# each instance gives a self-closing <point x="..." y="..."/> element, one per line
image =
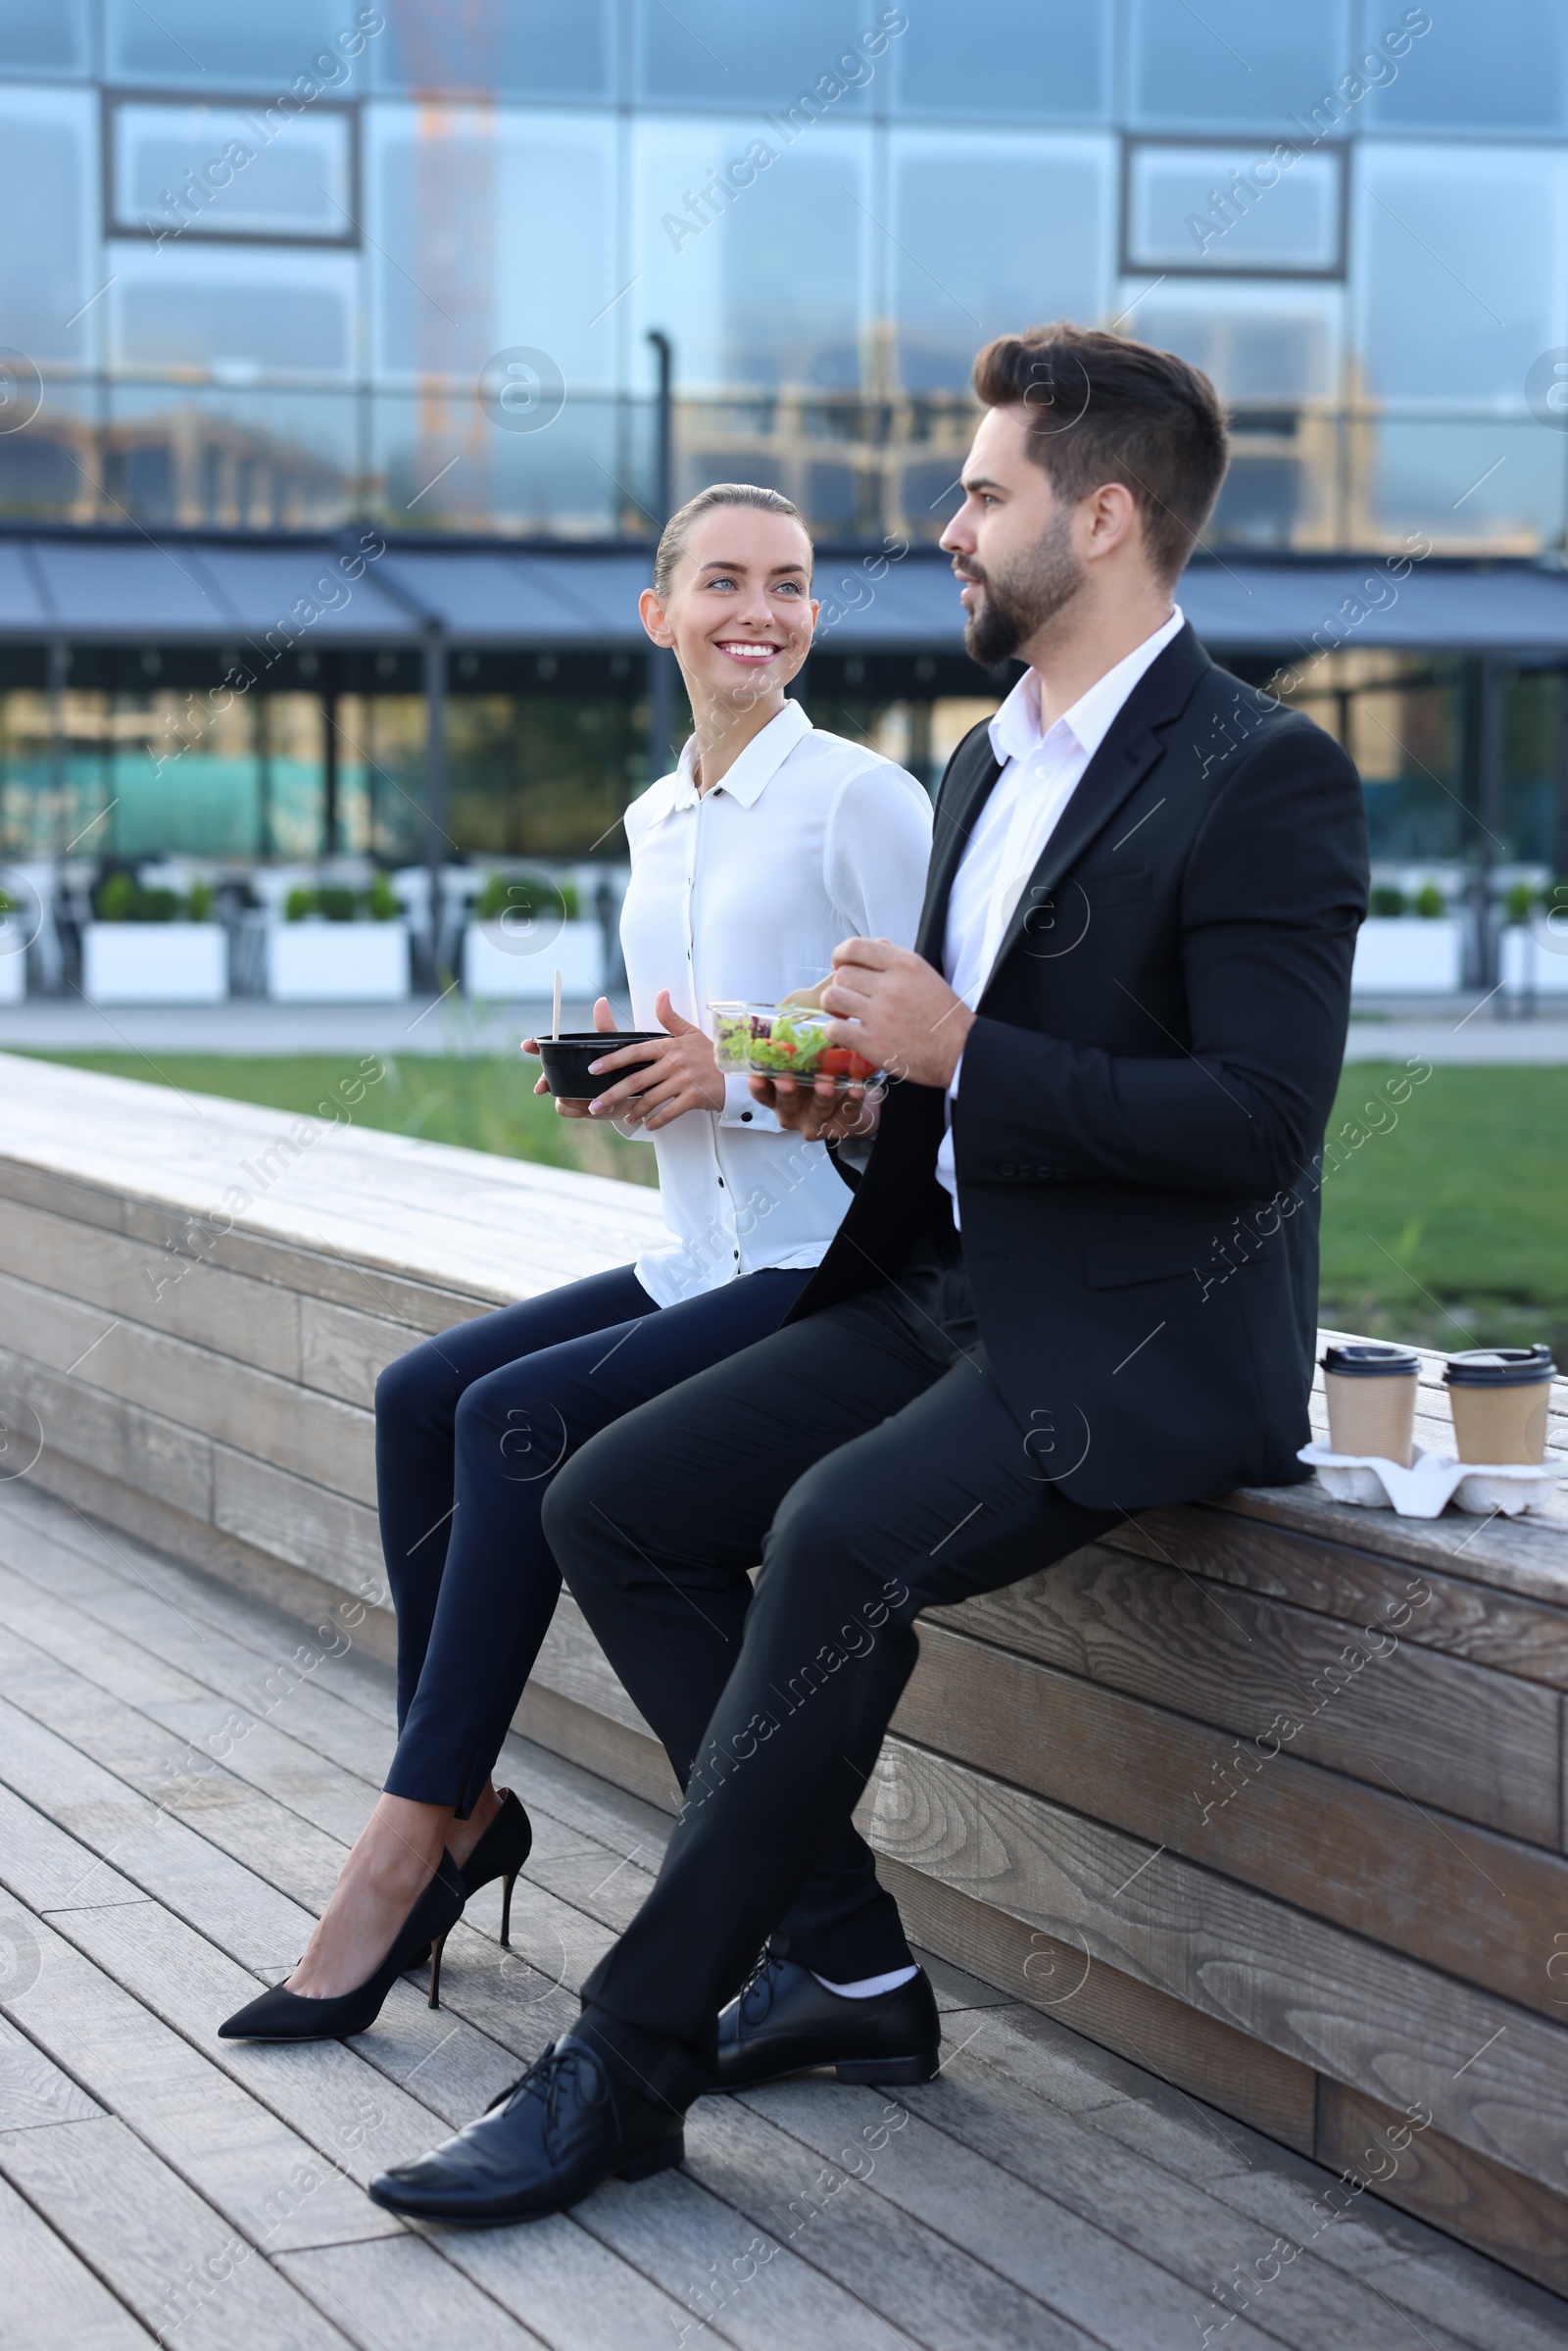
<point x="175" y="1798"/>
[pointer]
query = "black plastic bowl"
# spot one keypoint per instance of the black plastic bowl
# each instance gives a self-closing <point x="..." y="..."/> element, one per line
<point x="566" y="1059"/>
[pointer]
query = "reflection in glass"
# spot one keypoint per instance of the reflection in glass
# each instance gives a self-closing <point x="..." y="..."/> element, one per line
<point x="1497" y="484"/>
<point x="1461" y="269"/>
<point x="717" y="52"/>
<point x="1040" y="59"/>
<point x="48" y="180"/>
<point x="1486" y="65"/>
<point x="34" y="39"/>
<point x="201" y="458"/>
<point x="235" y="315"/>
<point x="192" y="42"/>
<point x="220" y="170"/>
<point x="793" y="266"/>
<point x="1203" y="208"/>
<point x="1235" y="60"/>
<point x="510" y="48"/>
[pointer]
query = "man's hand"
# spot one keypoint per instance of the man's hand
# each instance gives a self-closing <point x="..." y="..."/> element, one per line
<point x="681" y="1072"/>
<point x="822" y="1112"/>
<point x="890" y="1005"/>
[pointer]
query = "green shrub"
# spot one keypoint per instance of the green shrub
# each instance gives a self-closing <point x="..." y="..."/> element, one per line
<point x="8" y="904"/>
<point x="336" y="901"/>
<point x="1385" y="899"/>
<point x="1430" y="901"/>
<point x="528" y="896"/>
<point x="202" y="903"/>
<point x="120" y="898"/>
<point x="299" y="902"/>
<point x="1520" y="902"/>
<point x="381" y="902"/>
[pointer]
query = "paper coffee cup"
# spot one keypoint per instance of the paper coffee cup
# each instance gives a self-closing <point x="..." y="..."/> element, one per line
<point x="1371" y="1391"/>
<point x="1500" y="1397"/>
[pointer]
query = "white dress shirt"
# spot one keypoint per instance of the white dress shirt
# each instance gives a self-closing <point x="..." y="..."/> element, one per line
<point x="1040" y="772"/>
<point x="740" y="893"/>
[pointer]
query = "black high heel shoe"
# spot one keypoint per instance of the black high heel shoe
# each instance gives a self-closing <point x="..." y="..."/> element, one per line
<point x="501" y="1853"/>
<point x="283" y="2015"/>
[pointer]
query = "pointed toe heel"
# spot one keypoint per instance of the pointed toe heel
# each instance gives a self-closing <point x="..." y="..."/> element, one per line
<point x="509" y="1882"/>
<point x="283" y="2015"/>
<point x="501" y="1853"/>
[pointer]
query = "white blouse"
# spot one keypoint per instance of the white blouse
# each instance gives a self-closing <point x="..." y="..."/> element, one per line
<point x="738" y="894"/>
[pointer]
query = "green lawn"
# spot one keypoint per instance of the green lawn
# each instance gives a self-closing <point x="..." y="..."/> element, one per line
<point x="1448" y="1225"/>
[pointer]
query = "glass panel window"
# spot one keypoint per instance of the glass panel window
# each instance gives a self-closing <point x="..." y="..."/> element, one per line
<point x="302" y="46"/>
<point x="48" y="203"/>
<point x="233" y="316"/>
<point x="814" y="52"/>
<point x="34" y="39"/>
<point x="1483" y="64"/>
<point x="754" y="253"/>
<point x="492" y="231"/>
<point x="1236" y="61"/>
<point x="1256" y="344"/>
<point x="1042" y="59"/>
<point x="232" y="171"/>
<point x="527" y="49"/>
<point x="990" y="237"/>
<point x="1460" y="270"/>
<point x="1233" y="208"/>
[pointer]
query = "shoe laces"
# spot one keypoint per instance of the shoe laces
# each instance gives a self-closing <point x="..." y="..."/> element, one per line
<point x="566" y="2068"/>
<point x="757" y="1992"/>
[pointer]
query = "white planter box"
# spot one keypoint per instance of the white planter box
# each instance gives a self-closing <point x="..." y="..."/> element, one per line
<point x="1409" y="955"/>
<point x="1535" y="961"/>
<point x="13" y="960"/>
<point x="504" y="967"/>
<point x="154" y="962"/>
<point x="316" y="962"/>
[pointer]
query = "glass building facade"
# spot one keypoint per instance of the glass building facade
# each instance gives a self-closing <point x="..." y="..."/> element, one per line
<point x="269" y="269"/>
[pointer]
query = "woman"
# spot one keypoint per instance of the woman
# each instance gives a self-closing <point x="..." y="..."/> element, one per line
<point x="766" y="847"/>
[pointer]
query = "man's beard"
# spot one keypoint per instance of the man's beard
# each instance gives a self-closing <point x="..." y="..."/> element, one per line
<point x="1014" y="605"/>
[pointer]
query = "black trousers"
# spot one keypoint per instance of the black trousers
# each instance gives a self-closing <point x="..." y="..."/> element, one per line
<point x="866" y="1457"/>
<point x="470" y="1430"/>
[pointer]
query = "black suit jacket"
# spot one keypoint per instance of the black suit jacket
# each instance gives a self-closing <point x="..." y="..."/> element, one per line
<point x="1145" y="1090"/>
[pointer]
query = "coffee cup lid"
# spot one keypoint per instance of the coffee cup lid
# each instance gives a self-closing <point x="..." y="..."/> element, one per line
<point x="1371" y="1359"/>
<point x="1500" y="1367"/>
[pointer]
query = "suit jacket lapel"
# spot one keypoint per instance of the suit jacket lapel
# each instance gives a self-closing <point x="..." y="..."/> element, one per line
<point x="1129" y="749"/>
<point x="967" y="786"/>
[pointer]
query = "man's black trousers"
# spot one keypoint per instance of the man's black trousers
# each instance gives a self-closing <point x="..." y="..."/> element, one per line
<point x="865" y="1456"/>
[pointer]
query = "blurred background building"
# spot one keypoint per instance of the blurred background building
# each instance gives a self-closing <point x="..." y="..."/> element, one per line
<point x="271" y="275"/>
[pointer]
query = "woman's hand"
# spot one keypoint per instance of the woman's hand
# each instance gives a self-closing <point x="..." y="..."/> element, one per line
<point x="821" y="1112"/>
<point x="573" y="1105"/>
<point x="680" y="1073"/>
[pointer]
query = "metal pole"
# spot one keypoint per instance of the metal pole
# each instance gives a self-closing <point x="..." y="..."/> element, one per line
<point x="662" y="664"/>
<point x="59" y="667"/>
<point x="435" y="782"/>
<point x="331" y="825"/>
<point x="1494" y="721"/>
<point x="1560" y="837"/>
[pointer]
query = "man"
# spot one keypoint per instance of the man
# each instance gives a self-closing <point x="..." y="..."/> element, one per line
<point x="1078" y="1277"/>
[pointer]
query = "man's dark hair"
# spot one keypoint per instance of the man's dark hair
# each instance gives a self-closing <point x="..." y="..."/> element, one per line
<point x="1103" y="407"/>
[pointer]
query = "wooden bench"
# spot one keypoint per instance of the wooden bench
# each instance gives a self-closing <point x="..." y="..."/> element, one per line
<point x="1265" y="1794"/>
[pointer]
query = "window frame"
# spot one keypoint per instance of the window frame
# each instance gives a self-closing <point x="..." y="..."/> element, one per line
<point x="1134" y="142"/>
<point x="115" y="100"/>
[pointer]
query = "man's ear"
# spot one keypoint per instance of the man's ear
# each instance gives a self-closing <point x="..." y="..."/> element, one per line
<point x="1111" y="519"/>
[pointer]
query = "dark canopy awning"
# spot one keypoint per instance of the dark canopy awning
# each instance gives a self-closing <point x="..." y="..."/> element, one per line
<point x="130" y="588"/>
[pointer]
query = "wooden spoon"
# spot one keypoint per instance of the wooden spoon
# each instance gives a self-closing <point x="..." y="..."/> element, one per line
<point x="807" y="1000"/>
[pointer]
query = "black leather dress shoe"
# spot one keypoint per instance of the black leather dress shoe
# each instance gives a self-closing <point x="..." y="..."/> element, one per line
<point x="544" y="2144"/>
<point x="784" y="2022"/>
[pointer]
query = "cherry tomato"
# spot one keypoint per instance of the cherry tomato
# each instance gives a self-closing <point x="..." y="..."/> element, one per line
<point x="841" y="1061"/>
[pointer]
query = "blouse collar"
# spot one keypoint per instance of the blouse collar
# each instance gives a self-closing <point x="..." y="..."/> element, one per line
<point x="745" y="781"/>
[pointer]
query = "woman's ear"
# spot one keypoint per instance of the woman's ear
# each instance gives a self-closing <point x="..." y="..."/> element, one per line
<point x="654" y="620"/>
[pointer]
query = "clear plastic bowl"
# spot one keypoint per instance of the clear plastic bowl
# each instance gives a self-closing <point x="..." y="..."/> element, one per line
<point x="732" y="1033"/>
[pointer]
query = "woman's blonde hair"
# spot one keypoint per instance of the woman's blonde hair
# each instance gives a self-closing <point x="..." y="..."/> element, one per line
<point x="677" y="530"/>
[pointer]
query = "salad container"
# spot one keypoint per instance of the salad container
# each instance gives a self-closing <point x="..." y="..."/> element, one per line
<point x="785" y="1043"/>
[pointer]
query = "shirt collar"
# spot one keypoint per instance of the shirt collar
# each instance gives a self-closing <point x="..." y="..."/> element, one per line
<point x="1015" y="729"/>
<point x="756" y="767"/>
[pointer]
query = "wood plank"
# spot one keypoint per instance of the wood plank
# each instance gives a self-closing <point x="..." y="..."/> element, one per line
<point x="34" y="2090"/>
<point x="262" y="2177"/>
<point x="1512" y="2219"/>
<point x="148" y="2235"/>
<point x="45" y="1869"/>
<point x="1233" y="2071"/>
<point x="1044" y="2244"/>
<point x="327" y="1533"/>
<point x="1470" y="1742"/>
<point x="400" y="2296"/>
<point x="343" y="1352"/>
<point x="148" y="1847"/>
<point x="1492" y="2074"/>
<point x="1519" y="1555"/>
<point x="1207" y="2197"/>
<point x="171" y="1287"/>
<point x="331" y="1443"/>
<point x="1464" y="1620"/>
<point x="140" y="1448"/>
<point x="629" y="1759"/>
<point x="51" y="2296"/>
<point x="1464" y="1898"/>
